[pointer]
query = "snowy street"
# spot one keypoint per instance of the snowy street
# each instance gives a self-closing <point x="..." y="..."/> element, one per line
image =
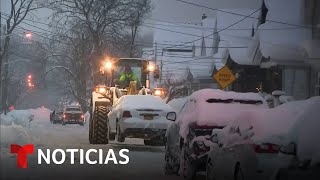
<point x="145" y="161"/>
<point x="152" y="90"/>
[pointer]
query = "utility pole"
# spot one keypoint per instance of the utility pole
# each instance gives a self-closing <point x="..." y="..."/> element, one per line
<point x="0" y="53"/>
<point x="156" y="53"/>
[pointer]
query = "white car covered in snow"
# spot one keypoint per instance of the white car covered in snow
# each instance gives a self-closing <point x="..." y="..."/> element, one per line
<point x="187" y="140"/>
<point x="265" y="144"/>
<point x="140" y="116"/>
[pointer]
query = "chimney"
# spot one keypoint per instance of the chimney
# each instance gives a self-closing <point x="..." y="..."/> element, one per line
<point x="204" y="16"/>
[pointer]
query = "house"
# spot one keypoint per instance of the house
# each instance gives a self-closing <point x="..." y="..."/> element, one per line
<point x="278" y="49"/>
<point x="179" y="57"/>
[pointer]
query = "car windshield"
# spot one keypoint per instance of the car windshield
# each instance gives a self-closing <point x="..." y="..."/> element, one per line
<point x="73" y="109"/>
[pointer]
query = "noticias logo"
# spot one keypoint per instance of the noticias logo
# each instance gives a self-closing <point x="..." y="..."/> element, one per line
<point x="83" y="156"/>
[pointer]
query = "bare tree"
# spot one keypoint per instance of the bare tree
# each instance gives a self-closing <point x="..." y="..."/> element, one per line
<point x="172" y="86"/>
<point x="101" y="19"/>
<point x="19" y="10"/>
<point x="142" y="7"/>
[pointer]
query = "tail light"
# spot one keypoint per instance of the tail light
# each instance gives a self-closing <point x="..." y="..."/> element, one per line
<point x="82" y="116"/>
<point x="267" y="148"/>
<point x="64" y="116"/>
<point x="126" y="114"/>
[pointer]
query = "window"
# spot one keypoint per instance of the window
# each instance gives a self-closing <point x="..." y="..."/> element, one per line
<point x="228" y="101"/>
<point x="73" y="109"/>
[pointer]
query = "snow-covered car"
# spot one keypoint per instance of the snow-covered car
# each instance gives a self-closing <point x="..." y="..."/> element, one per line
<point x="72" y="114"/>
<point x="269" y="151"/>
<point x="188" y="139"/>
<point x="303" y="142"/>
<point x="140" y="116"/>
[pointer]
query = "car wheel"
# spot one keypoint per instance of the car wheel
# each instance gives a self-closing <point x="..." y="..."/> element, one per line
<point x="63" y="123"/>
<point x="170" y="168"/>
<point x="120" y="136"/>
<point x="111" y="136"/>
<point x="238" y="174"/>
<point x="189" y="169"/>
<point x="209" y="170"/>
<point x="282" y="175"/>
<point x="81" y="124"/>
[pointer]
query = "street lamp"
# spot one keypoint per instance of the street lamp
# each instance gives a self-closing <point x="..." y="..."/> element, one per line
<point x="28" y="35"/>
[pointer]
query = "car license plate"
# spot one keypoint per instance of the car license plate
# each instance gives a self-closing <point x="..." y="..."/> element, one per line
<point x="148" y="117"/>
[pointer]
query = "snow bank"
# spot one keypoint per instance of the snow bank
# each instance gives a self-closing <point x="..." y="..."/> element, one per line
<point x="18" y="117"/>
<point x="16" y="125"/>
<point x="13" y="134"/>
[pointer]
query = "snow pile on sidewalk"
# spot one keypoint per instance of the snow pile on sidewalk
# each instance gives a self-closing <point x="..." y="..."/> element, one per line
<point x="11" y="133"/>
<point x="15" y="127"/>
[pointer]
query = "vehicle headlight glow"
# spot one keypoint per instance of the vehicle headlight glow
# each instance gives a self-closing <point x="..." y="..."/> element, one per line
<point x="158" y="92"/>
<point x="102" y="90"/>
<point x="108" y="65"/>
<point x="151" y="67"/>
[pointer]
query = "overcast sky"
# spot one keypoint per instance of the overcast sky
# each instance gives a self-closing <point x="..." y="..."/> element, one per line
<point x="172" y="10"/>
<point x="166" y="10"/>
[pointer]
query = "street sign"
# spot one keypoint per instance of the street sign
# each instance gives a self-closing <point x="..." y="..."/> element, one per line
<point x="224" y="77"/>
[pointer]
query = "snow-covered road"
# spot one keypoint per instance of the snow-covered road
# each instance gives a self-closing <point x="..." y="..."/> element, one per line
<point x="146" y="162"/>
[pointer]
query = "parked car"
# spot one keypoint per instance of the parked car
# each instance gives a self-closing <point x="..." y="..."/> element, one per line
<point x="140" y="116"/>
<point x="187" y="140"/>
<point x="72" y="114"/>
<point x="56" y="117"/>
<point x="271" y="152"/>
<point x="303" y="142"/>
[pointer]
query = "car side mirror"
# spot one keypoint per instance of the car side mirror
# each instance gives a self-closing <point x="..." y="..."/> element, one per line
<point x="171" y="116"/>
<point x="290" y="149"/>
<point x="214" y="138"/>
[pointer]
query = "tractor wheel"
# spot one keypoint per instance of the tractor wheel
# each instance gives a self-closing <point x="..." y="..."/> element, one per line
<point x="99" y="126"/>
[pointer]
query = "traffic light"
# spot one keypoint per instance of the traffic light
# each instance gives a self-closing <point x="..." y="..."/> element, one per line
<point x="30" y="81"/>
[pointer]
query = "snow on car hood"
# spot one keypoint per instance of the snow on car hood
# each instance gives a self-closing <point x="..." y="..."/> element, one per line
<point x="144" y="102"/>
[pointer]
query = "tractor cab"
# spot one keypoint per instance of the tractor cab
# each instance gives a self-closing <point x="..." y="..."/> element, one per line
<point x="130" y="75"/>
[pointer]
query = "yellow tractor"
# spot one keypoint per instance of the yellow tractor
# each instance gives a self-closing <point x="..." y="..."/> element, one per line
<point x="105" y="95"/>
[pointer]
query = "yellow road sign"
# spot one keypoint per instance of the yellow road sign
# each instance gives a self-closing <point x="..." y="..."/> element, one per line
<point x="224" y="77"/>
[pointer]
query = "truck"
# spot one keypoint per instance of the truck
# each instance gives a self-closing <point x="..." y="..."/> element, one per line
<point x="106" y="95"/>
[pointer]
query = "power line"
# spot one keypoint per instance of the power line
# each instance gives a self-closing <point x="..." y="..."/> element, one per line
<point x="238" y="14"/>
<point x="165" y="45"/>
<point x="219" y="30"/>
<point x="209" y="29"/>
